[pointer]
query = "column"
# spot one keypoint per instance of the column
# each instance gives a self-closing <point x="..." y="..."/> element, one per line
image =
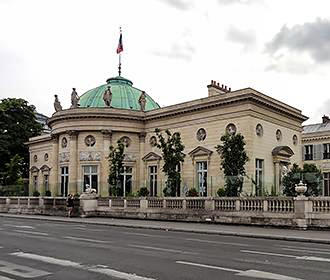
<point x="73" y="164"/>
<point x="277" y="177"/>
<point x="140" y="180"/>
<point x="104" y="172"/>
<point x="53" y="176"/>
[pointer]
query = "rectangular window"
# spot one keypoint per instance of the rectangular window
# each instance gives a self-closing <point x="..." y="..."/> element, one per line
<point x="46" y="182"/>
<point x="326" y="183"/>
<point x="153" y="180"/>
<point x="202" y="178"/>
<point x="326" y="151"/>
<point x="64" y="180"/>
<point x="259" y="178"/>
<point x="308" y="152"/>
<point x="35" y="183"/>
<point x="90" y="177"/>
<point x="126" y="181"/>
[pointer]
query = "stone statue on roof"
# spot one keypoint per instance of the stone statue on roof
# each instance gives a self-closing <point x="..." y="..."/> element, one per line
<point x="107" y="96"/>
<point x="142" y="101"/>
<point x="57" y="104"/>
<point x="74" y="99"/>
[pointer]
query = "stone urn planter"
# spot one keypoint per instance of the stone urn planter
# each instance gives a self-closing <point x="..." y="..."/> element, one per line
<point x="300" y="188"/>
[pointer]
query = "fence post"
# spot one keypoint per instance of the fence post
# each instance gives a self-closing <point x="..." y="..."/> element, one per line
<point x="209" y="204"/>
<point x="184" y="204"/>
<point x="237" y="205"/>
<point x="265" y="205"/>
<point x="302" y="210"/>
<point x="144" y="203"/>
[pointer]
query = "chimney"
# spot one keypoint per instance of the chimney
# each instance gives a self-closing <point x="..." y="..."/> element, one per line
<point x="325" y="119"/>
<point x="215" y="88"/>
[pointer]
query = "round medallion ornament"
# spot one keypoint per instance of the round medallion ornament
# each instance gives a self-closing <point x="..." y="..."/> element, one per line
<point x="64" y="142"/>
<point x="259" y="130"/>
<point x="295" y="139"/>
<point x="126" y="141"/>
<point x="278" y="135"/>
<point x="46" y="157"/>
<point x="231" y="129"/>
<point x="35" y="158"/>
<point x="153" y="141"/>
<point x="90" y="141"/>
<point x="201" y="134"/>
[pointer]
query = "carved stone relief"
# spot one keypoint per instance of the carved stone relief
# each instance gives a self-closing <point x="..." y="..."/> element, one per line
<point x="64" y="142"/>
<point x="130" y="157"/>
<point x="90" y="156"/>
<point x="153" y="141"/>
<point x="278" y="135"/>
<point x="126" y="141"/>
<point x="46" y="157"/>
<point x="35" y="158"/>
<point x="295" y="140"/>
<point x="90" y="141"/>
<point x="64" y="157"/>
<point x="259" y="130"/>
<point x="201" y="134"/>
<point x="231" y="129"/>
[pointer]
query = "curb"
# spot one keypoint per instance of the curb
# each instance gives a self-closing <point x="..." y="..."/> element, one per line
<point x="174" y="229"/>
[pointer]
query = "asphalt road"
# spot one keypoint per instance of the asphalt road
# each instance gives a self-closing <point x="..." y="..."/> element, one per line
<point x="33" y="249"/>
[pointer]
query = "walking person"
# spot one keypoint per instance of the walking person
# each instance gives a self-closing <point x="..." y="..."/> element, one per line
<point x="70" y="205"/>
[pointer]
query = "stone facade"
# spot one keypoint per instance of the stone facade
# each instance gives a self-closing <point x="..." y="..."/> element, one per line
<point x="272" y="131"/>
<point x="316" y="149"/>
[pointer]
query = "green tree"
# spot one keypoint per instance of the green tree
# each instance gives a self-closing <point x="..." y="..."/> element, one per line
<point x="309" y="175"/>
<point x="116" y="158"/>
<point x="172" y="151"/>
<point x="17" y="124"/>
<point x="13" y="170"/>
<point x="233" y="160"/>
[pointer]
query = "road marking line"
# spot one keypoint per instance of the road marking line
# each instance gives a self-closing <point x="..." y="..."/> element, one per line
<point x="32" y="232"/>
<point x="146" y="235"/>
<point x="86" y="239"/>
<point x="68" y="263"/>
<point x="306" y="258"/>
<point x="162" y="249"/>
<point x="308" y="248"/>
<point x="27" y="227"/>
<point x="307" y="251"/>
<point x="247" y="273"/>
<point x="216" y="242"/>
<point x="21" y="271"/>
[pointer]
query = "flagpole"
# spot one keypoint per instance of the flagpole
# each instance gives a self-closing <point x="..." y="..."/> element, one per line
<point x="119" y="66"/>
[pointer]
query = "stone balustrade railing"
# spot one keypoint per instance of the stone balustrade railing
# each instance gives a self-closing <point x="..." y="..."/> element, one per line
<point x="299" y="212"/>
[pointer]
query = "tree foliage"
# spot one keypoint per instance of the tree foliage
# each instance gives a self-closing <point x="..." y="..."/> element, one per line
<point x="309" y="175"/>
<point x="172" y="152"/>
<point x="233" y="160"/>
<point x="17" y="124"/>
<point x="116" y="158"/>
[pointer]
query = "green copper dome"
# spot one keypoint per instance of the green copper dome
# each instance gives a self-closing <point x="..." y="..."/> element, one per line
<point x="124" y="96"/>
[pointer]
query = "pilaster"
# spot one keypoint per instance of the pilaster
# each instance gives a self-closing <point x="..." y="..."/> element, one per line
<point x="141" y="165"/>
<point x="73" y="164"/>
<point x="104" y="172"/>
<point x="53" y="176"/>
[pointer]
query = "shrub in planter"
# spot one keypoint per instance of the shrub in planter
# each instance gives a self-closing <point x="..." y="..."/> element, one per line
<point x="221" y="192"/>
<point x="192" y="192"/>
<point x="36" y="193"/>
<point x="143" y="192"/>
<point x="48" y="193"/>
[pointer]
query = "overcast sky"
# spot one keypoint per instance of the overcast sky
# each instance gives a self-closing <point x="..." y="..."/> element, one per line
<point x="172" y="49"/>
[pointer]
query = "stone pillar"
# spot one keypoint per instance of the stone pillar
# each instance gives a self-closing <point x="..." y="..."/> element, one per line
<point x="140" y="180"/>
<point x="104" y="172"/>
<point x="53" y="176"/>
<point x="277" y="177"/>
<point x="73" y="164"/>
<point x="302" y="212"/>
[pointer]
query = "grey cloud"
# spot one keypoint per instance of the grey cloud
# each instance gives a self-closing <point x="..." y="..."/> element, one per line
<point x="312" y="38"/>
<point x="245" y="37"/>
<point x="179" y="4"/>
<point x="177" y="51"/>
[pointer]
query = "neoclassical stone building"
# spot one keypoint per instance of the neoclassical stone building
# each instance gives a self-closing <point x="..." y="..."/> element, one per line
<point x="316" y="149"/>
<point x="74" y="155"/>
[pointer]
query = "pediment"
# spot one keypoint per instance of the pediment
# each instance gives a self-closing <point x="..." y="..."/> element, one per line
<point x="284" y="151"/>
<point x="45" y="168"/>
<point x="151" y="156"/>
<point x="200" y="151"/>
<point x="34" y="169"/>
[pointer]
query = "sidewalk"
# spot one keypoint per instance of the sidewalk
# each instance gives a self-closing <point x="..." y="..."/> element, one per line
<point x="315" y="236"/>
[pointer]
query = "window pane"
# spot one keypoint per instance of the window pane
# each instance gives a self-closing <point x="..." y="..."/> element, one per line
<point x="86" y="169"/>
<point x="87" y="182"/>
<point x="94" y="182"/>
<point x="94" y="169"/>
